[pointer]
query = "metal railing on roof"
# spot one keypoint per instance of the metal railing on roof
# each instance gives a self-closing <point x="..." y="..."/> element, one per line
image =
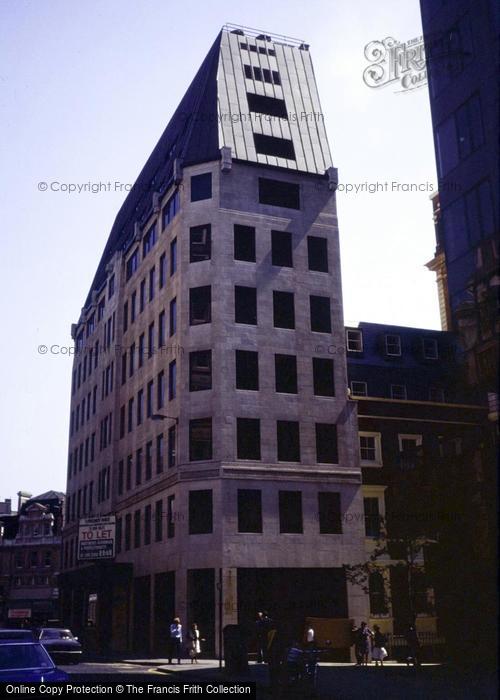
<point x="259" y="33"/>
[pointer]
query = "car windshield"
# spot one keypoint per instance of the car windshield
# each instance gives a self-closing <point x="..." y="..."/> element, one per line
<point x="16" y="656"/>
<point x="56" y="634"/>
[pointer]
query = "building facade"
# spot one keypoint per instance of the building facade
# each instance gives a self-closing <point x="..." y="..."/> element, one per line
<point x="30" y="548"/>
<point x="208" y="413"/>
<point x="420" y="435"/>
<point x="463" y="62"/>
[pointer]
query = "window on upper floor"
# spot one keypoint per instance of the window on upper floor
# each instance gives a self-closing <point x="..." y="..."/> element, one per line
<point x="200" y="370"/>
<point x="393" y="345"/>
<point x="200" y="512"/>
<point x="354" y="339"/>
<point x="247" y="370"/>
<point x="200" y="305"/>
<point x="170" y="209"/>
<point x="285" y="370"/>
<point x="281" y="248"/>
<point x="370" y="449"/>
<point x="249" y="510"/>
<point x="288" y="441"/>
<point x="323" y="376"/>
<point x="262" y="104"/>
<point x="248" y="438"/>
<point x="201" y="187"/>
<point x="329" y="513"/>
<point x="173" y="257"/>
<point x="460" y="135"/>
<point x="245" y="305"/>
<point x="244" y="243"/>
<point x="132" y="264"/>
<point x="200" y="243"/>
<point x="283" y="310"/>
<point x="173" y="317"/>
<point x="274" y="146"/>
<point x="290" y="511"/>
<point x="398" y="391"/>
<point x="430" y="348"/>
<point x="149" y="240"/>
<point x="317" y="253"/>
<point x="326" y="443"/>
<point x="359" y="388"/>
<point x="200" y="439"/>
<point x="279" y="193"/>
<point x="321" y="321"/>
<point x="372" y="517"/>
<point x="410" y="450"/>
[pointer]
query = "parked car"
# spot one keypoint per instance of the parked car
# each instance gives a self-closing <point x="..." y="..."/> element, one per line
<point x="23" y="660"/>
<point x="61" y="644"/>
<point x="17" y="635"/>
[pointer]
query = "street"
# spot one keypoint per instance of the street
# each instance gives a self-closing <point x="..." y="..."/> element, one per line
<point x="335" y="681"/>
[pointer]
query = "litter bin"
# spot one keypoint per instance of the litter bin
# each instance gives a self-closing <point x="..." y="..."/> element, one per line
<point x="235" y="649"/>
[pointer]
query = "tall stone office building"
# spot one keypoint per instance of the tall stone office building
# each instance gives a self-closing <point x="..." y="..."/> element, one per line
<point x="209" y="408"/>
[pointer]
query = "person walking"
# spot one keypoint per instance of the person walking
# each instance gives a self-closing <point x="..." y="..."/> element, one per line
<point x="365" y="639"/>
<point x="175" y="640"/>
<point x="195" y="640"/>
<point x="379" y="651"/>
<point x="413" y="646"/>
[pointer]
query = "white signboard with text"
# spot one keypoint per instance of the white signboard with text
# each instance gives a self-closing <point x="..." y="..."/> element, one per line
<point x="96" y="538"/>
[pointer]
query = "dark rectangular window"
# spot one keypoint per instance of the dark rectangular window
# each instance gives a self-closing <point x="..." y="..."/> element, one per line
<point x="138" y="467"/>
<point x="130" y="415"/>
<point x="323" y="377"/>
<point x="142" y="295"/>
<point x="171" y="208"/>
<point x="132" y="263"/>
<point x="172" y="380"/>
<point x="200" y="370"/>
<point x="125" y="316"/>
<point x="281" y="248"/>
<point x="285" y="367"/>
<point x="326" y="443"/>
<point x="290" y="510"/>
<point x="158" y="521"/>
<point x="283" y="310"/>
<point x="151" y="339"/>
<point x="161" y="329"/>
<point x="140" y="405"/>
<point x="128" y="531"/>
<point x="248" y="438"/>
<point x="372" y="517"/>
<point x="267" y="105"/>
<point x="149" y="460"/>
<point x="118" y="535"/>
<point x="137" y="529"/>
<point x="140" y="353"/>
<point x="248" y="71"/>
<point x="120" y="477"/>
<point x="200" y="243"/>
<point x="149" y="398"/>
<point x="147" y="524"/>
<point x="173" y="317"/>
<point x="200" y="439"/>
<point x="131" y="358"/>
<point x="321" y="321"/>
<point x="244" y="243"/>
<point x="133" y="300"/>
<point x="279" y="193"/>
<point x="317" y="253"/>
<point x="170" y="517"/>
<point x="200" y="512"/>
<point x="200" y="305"/>
<point x="274" y="146"/>
<point x="159" y="453"/>
<point x="245" y="305"/>
<point x="160" y="390"/>
<point x="247" y="370"/>
<point x="330" y="517"/>
<point x="129" y="473"/>
<point x="171" y="446"/>
<point x="288" y="439"/>
<point x="149" y="240"/>
<point x="249" y="510"/>
<point x="162" y="271"/>
<point x="201" y="187"/>
<point x="152" y="278"/>
<point x="173" y="256"/>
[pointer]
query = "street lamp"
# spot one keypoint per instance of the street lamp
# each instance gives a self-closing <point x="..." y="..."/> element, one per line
<point x="161" y="416"/>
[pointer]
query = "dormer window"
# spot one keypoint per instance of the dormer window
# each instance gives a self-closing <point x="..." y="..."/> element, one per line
<point x="354" y="339"/>
<point x="393" y="345"/>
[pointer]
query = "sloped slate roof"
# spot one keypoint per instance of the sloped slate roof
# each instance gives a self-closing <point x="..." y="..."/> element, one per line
<point x="190" y="135"/>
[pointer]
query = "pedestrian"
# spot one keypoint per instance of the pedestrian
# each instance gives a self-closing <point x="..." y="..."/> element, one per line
<point x="413" y="646"/>
<point x="261" y="634"/>
<point x="379" y="651"/>
<point x="194" y="648"/>
<point x="175" y="640"/>
<point x="364" y="643"/>
<point x="275" y="657"/>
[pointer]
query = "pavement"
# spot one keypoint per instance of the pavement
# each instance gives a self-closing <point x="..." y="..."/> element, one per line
<point x="344" y="681"/>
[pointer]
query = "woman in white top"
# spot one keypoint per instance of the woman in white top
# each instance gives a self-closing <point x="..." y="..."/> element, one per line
<point x="194" y="643"/>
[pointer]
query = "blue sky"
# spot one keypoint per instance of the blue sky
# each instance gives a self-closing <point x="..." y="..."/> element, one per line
<point x="86" y="89"/>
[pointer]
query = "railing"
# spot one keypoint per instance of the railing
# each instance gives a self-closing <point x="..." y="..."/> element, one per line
<point x="432" y="646"/>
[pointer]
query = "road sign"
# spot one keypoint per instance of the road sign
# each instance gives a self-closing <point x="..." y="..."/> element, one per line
<point x="96" y="538"/>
